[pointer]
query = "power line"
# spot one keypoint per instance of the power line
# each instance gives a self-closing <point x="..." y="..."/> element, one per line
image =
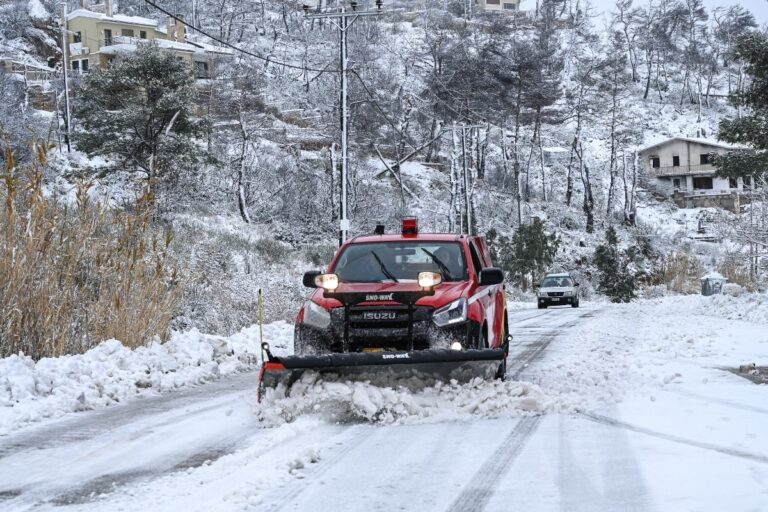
<point x="237" y="48"/>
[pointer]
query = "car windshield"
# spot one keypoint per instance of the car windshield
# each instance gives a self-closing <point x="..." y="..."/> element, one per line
<point x="556" y="282"/>
<point x="400" y="261"/>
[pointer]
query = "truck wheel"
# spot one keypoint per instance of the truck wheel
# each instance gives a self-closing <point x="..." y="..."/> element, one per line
<point x="501" y="373"/>
<point x="575" y="304"/>
<point x="479" y="342"/>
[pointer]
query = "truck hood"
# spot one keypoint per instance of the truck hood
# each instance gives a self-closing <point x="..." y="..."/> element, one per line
<point x="445" y="293"/>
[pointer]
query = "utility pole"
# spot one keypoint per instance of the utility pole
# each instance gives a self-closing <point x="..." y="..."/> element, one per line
<point x="346" y="19"/>
<point x="65" y="54"/>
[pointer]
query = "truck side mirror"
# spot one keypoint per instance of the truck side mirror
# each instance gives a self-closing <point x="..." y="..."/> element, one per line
<point x="536" y="285"/>
<point x="491" y="275"/>
<point x="309" y="278"/>
<point x="577" y="284"/>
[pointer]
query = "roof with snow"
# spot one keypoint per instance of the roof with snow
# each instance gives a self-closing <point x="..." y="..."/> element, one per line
<point x="115" y="18"/>
<point x="124" y="44"/>
<point x="706" y="142"/>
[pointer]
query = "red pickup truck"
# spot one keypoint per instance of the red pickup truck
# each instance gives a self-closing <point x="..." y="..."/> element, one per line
<point x="413" y="300"/>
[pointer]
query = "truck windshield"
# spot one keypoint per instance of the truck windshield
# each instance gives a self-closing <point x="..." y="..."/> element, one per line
<point x="556" y="282"/>
<point x="400" y="261"/>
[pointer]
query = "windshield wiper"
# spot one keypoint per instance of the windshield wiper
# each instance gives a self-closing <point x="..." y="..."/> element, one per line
<point x="384" y="270"/>
<point x="443" y="266"/>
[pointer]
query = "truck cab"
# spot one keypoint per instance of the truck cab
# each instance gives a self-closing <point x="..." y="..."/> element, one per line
<point x="409" y="292"/>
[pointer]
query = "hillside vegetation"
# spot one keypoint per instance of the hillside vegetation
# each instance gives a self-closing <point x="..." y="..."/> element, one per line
<point x="471" y="121"/>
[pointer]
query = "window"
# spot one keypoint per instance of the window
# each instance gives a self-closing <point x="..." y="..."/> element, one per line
<point x="143" y="34"/>
<point x="705" y="158"/>
<point x="76" y="66"/>
<point x="382" y="261"/>
<point x="127" y="32"/>
<point x="655" y="162"/>
<point x="77" y="37"/>
<point x="675" y="161"/>
<point x="107" y="37"/>
<point x="492" y="2"/>
<point x="703" y="183"/>
<point x="201" y="69"/>
<point x="556" y="282"/>
<point x="676" y="183"/>
<point x="747" y="181"/>
<point x="84" y="65"/>
<point x="733" y="183"/>
<point x="510" y="7"/>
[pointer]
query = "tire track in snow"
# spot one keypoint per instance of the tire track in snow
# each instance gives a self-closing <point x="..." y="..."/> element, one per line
<point x="480" y="488"/>
<point x="720" y="401"/>
<point x="285" y="496"/>
<point x="82" y="426"/>
<point x="523" y="359"/>
<point x="734" y="452"/>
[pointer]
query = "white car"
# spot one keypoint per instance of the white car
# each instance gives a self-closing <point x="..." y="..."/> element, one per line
<point x="557" y="290"/>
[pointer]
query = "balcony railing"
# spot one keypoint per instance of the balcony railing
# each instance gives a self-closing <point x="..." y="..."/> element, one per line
<point x="682" y="170"/>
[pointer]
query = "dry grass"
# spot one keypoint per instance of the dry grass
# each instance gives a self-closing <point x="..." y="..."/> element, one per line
<point x="71" y="277"/>
<point x="736" y="270"/>
<point x="681" y="272"/>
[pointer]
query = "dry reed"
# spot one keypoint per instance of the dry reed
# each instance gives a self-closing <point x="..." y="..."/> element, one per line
<point x="71" y="277"/>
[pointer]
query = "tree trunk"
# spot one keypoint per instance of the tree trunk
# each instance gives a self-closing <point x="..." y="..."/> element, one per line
<point x="588" y="205"/>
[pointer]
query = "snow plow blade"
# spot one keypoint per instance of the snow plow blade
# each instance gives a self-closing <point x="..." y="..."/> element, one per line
<point x="385" y="368"/>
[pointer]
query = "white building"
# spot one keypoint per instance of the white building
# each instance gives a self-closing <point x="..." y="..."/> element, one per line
<point x="683" y="169"/>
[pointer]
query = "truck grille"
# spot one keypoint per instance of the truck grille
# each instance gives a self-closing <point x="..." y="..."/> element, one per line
<point x="555" y="294"/>
<point x="382" y="327"/>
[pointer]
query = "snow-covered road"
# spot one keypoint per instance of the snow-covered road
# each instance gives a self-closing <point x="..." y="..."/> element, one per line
<point x="607" y="408"/>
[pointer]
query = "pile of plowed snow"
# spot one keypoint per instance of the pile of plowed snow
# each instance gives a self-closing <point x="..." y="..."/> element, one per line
<point x="110" y="373"/>
<point x="350" y="402"/>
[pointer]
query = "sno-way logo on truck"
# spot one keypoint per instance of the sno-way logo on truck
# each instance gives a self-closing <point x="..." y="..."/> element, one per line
<point x="395" y="356"/>
<point x="371" y="297"/>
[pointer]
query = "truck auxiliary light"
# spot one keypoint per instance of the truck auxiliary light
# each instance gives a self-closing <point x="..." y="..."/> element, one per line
<point x="410" y="226"/>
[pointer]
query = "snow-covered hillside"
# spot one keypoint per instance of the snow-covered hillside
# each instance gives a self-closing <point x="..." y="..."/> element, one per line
<point x="539" y="115"/>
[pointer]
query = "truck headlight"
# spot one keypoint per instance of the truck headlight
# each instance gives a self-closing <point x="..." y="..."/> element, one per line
<point x="452" y="313"/>
<point x="568" y="294"/>
<point x="316" y="316"/>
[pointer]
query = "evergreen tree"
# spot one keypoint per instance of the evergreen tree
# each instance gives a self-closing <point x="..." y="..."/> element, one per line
<point x="751" y="129"/>
<point x="616" y="279"/>
<point x="139" y="110"/>
<point x="527" y="254"/>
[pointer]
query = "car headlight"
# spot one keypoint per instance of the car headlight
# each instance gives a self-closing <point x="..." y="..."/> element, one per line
<point x="316" y="316"/>
<point x="568" y="294"/>
<point x="542" y="294"/>
<point x="452" y="313"/>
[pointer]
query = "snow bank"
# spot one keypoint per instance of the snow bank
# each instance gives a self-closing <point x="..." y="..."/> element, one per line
<point x="111" y="373"/>
<point x="733" y="305"/>
<point x="638" y="348"/>
<point x="351" y="402"/>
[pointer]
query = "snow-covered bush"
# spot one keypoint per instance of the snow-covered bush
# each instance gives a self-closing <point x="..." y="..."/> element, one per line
<point x="733" y="289"/>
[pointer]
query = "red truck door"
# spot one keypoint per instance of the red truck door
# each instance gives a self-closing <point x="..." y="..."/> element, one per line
<point x="487" y="296"/>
